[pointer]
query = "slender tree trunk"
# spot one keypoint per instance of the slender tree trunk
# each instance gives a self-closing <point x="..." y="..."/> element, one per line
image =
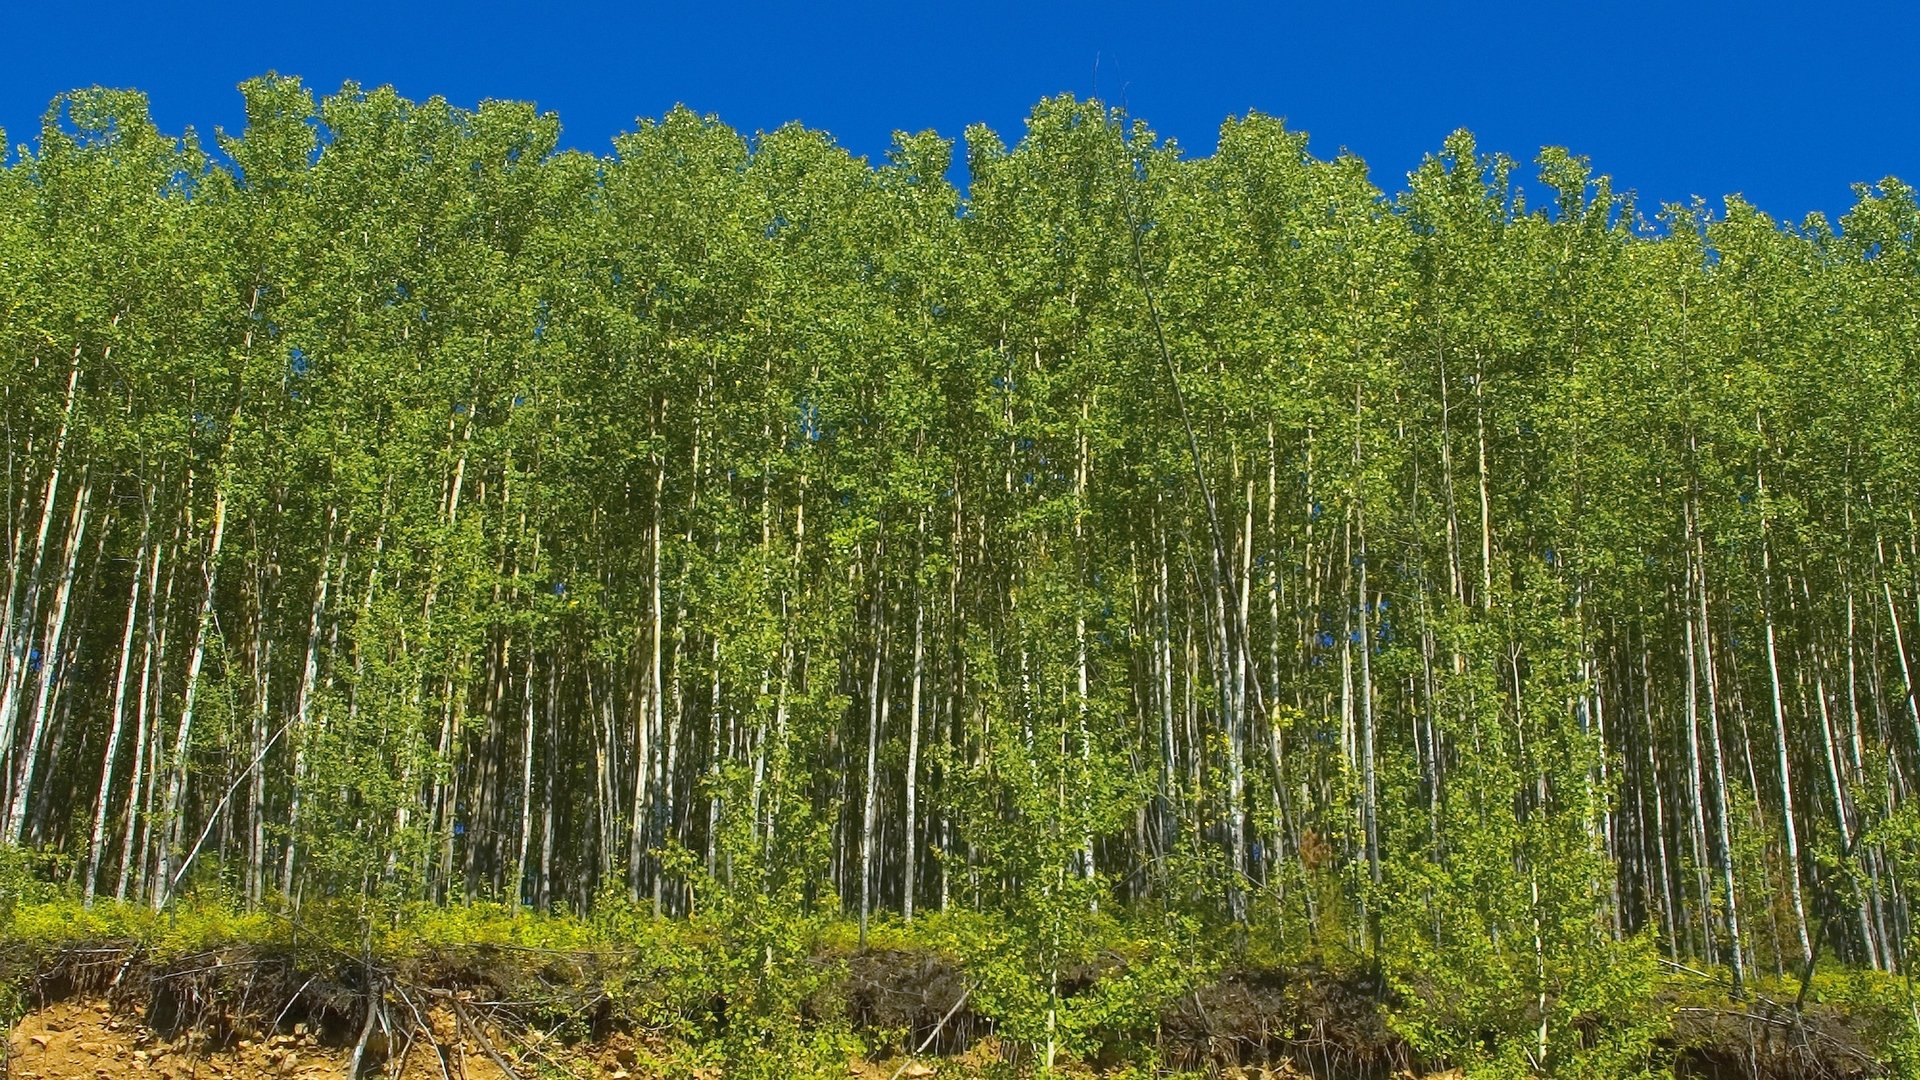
<point x="146" y="740"/>
<point x="647" y="727"/>
<point x="910" y="871"/>
<point x="1899" y="643"/>
<point x="1669" y="894"/>
<point x="1696" y="787"/>
<point x="21" y="618"/>
<point x="1780" y="745"/>
<point x="527" y="716"/>
<point x="543" y="891"/>
<point x="1486" y="499"/>
<point x="1837" y="790"/>
<point x="718" y="747"/>
<point x="1722" y="812"/>
<point x="173" y="808"/>
<point x="1369" y="780"/>
<point x="51" y="662"/>
<point x="303" y="703"/>
<point x="262" y="656"/>
<point x="876" y="719"/>
<point x="102" y="803"/>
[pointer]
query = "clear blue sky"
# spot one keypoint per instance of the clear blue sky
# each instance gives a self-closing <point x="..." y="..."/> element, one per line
<point x="1788" y="104"/>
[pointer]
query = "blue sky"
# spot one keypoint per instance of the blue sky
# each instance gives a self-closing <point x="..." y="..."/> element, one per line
<point x="1788" y="104"/>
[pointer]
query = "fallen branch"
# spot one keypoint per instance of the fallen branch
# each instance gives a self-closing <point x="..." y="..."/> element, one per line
<point x="433" y="1039"/>
<point x="366" y="1033"/>
<point x="473" y="1032"/>
<point x="934" y="1034"/>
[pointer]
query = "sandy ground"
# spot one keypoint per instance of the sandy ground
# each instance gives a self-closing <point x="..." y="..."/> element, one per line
<point x="74" y="1040"/>
<point x="77" y="1039"/>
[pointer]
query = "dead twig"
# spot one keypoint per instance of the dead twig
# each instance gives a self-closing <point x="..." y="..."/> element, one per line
<point x="478" y="1037"/>
<point x="366" y="1032"/>
<point x="433" y="1038"/>
<point x="934" y="1034"/>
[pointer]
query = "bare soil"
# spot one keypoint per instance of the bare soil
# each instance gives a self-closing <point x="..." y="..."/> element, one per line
<point x="75" y="1039"/>
<point x="493" y="1015"/>
<point x="83" y="1039"/>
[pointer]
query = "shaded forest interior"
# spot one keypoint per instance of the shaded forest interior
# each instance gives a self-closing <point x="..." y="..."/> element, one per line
<point x="401" y="511"/>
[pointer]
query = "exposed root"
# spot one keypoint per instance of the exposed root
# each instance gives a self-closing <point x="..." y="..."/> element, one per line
<point x="506" y="1014"/>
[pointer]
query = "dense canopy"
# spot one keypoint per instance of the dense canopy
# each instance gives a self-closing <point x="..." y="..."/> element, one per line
<point x="398" y="506"/>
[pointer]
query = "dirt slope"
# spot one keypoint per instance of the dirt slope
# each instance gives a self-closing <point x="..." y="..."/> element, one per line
<point x="71" y="1040"/>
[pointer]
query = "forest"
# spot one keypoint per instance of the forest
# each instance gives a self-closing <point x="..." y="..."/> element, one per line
<point x="404" y="514"/>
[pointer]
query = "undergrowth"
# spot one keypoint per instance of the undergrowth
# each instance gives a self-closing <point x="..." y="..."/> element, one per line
<point x="756" y="989"/>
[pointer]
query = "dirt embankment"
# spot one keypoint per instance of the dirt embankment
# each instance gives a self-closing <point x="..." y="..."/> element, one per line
<point x="70" y="1040"/>
<point x="84" y="1038"/>
<point x="489" y="1014"/>
<point x="81" y="1039"/>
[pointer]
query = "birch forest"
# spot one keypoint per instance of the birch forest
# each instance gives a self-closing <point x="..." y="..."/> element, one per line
<point x="402" y="509"/>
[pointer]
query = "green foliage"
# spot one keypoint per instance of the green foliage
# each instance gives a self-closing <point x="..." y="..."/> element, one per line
<point x="1503" y="962"/>
<point x="1133" y="560"/>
